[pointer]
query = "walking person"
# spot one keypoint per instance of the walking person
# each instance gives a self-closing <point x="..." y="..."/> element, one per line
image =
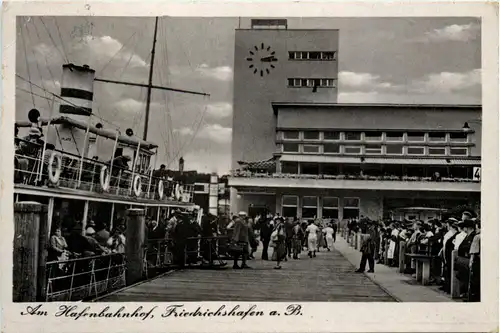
<point x="241" y="239"/>
<point x="328" y="232"/>
<point x="312" y="238"/>
<point x="278" y="238"/>
<point x="265" y="236"/>
<point x="297" y="239"/>
<point x="289" y="225"/>
<point x="334" y="226"/>
<point x="368" y="252"/>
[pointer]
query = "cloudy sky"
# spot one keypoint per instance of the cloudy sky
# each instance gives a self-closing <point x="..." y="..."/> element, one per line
<point x="394" y="60"/>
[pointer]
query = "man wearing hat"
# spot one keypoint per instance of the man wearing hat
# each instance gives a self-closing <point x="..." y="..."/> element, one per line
<point x="452" y="231"/>
<point x="463" y="255"/>
<point x="475" y="266"/>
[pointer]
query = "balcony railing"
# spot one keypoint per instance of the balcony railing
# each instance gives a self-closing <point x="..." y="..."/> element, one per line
<point x="249" y="174"/>
<point x="65" y="170"/>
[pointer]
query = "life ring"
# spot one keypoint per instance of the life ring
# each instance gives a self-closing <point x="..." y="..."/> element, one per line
<point x="55" y="174"/>
<point x="160" y="189"/>
<point x="137" y="185"/>
<point x="105" y="178"/>
<point x="178" y="192"/>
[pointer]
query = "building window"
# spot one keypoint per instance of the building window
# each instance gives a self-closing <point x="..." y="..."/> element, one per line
<point x="352" y="150"/>
<point x="311" y="135"/>
<point x="312" y="55"/>
<point x="309" y="168"/>
<point x="394" y="150"/>
<point x="352" y="136"/>
<point x="416" y="136"/>
<point x="290" y="135"/>
<point x="331" y="148"/>
<point x="415" y="150"/>
<point x="290" y="167"/>
<point x="311" y="82"/>
<point x="310" y="149"/>
<point x="290" y="147"/>
<point x="437" y="151"/>
<point x="330" y="208"/>
<point x="373" y="136"/>
<point x="289" y="205"/>
<point x="437" y="137"/>
<point x="373" y="149"/>
<point x="394" y="136"/>
<point x="458" y="137"/>
<point x="309" y="207"/>
<point x="351" y="208"/>
<point x="458" y="151"/>
<point x="331" y="135"/>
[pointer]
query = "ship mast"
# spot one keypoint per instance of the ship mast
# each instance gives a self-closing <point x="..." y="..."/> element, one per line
<point x="150" y="85"/>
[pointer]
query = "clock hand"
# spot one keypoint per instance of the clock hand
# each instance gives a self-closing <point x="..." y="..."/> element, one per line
<point x="268" y="59"/>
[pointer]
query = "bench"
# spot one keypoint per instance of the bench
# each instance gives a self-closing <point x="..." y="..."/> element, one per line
<point x="423" y="262"/>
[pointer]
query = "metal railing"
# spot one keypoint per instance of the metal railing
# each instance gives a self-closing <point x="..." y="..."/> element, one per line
<point x="85" y="174"/>
<point x="249" y="174"/>
<point x="77" y="279"/>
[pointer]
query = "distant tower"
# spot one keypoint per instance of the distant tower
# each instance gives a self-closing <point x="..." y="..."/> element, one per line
<point x="181" y="165"/>
<point x="77" y="92"/>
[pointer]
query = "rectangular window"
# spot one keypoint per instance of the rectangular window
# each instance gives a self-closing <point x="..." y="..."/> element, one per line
<point x="309" y="207"/>
<point x="331" y="135"/>
<point x="394" y="136"/>
<point x="394" y="150"/>
<point x="328" y="55"/>
<point x="290" y="135"/>
<point x="373" y="149"/>
<point x="354" y="150"/>
<point x="290" y="167"/>
<point x="416" y="136"/>
<point x="437" y="137"/>
<point x="291" y="55"/>
<point x="415" y="150"/>
<point x="352" y="136"/>
<point x="330" y="207"/>
<point x="305" y="55"/>
<point x="458" y="137"/>
<point x="314" y="55"/>
<point x="373" y="136"/>
<point x="297" y="82"/>
<point x="437" y="151"/>
<point x="458" y="151"/>
<point x="289" y="205"/>
<point x="291" y="82"/>
<point x="310" y="149"/>
<point x="331" y="148"/>
<point x="351" y="208"/>
<point x="311" y="135"/>
<point x="291" y="147"/>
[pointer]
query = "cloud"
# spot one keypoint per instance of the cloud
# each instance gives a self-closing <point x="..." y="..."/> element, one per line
<point x="212" y="132"/>
<point x="208" y="161"/>
<point x="184" y="131"/>
<point x="447" y="82"/>
<point x="454" y="32"/>
<point x="221" y="73"/>
<point x="359" y="97"/>
<point x="220" y="109"/>
<point x="362" y="80"/>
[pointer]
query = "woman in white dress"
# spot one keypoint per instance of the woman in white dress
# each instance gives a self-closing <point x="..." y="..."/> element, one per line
<point x="392" y="244"/>
<point x="312" y="238"/>
<point x="328" y="231"/>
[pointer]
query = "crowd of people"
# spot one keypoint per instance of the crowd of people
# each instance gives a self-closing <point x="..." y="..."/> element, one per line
<point x="436" y="239"/>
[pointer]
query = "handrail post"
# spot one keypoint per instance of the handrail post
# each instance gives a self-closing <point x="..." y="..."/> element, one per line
<point x="151" y="173"/>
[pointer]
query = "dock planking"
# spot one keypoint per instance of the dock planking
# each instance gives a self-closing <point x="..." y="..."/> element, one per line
<point x="327" y="278"/>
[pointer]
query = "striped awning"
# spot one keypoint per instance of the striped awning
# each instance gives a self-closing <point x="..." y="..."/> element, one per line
<point x="422" y="161"/>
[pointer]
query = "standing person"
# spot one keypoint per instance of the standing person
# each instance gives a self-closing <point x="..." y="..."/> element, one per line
<point x="446" y="251"/>
<point x="312" y="238"/>
<point x="328" y="232"/>
<point x="462" y="263"/>
<point x="321" y="237"/>
<point x="391" y="252"/>
<point x="241" y="237"/>
<point x="475" y="267"/>
<point x="298" y="236"/>
<point x="278" y="238"/>
<point x="289" y="224"/>
<point x="334" y="226"/>
<point x="368" y="250"/>
<point x="265" y="235"/>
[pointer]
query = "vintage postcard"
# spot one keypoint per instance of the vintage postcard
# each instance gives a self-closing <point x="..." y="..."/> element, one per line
<point x="249" y="167"/>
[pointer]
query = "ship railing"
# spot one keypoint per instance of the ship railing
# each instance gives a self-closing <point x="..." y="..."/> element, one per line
<point x="209" y="251"/>
<point x="86" y="174"/>
<point x="81" y="278"/>
<point x="158" y="256"/>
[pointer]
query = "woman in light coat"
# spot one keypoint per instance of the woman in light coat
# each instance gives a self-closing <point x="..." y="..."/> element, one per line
<point x="312" y="238"/>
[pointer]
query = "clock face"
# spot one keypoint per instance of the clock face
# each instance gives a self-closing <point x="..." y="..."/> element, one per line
<point x="261" y="59"/>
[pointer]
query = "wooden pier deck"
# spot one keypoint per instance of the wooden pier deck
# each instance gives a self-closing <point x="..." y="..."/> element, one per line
<point x="328" y="277"/>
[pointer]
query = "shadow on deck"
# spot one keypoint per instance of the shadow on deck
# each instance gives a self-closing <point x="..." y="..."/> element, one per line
<point x="327" y="278"/>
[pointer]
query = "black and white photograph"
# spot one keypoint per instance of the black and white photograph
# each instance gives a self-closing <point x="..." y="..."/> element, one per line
<point x="248" y="159"/>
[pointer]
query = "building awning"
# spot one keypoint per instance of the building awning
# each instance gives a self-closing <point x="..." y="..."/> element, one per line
<point x="422" y="161"/>
<point x="319" y="158"/>
<point x="269" y="164"/>
<point x="419" y="209"/>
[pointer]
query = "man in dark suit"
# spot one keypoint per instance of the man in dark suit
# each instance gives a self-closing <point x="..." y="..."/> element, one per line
<point x="265" y="235"/>
<point x="463" y="255"/>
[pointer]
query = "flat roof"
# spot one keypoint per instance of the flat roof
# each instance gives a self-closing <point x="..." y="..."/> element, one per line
<point x="277" y="105"/>
<point x="286" y="29"/>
